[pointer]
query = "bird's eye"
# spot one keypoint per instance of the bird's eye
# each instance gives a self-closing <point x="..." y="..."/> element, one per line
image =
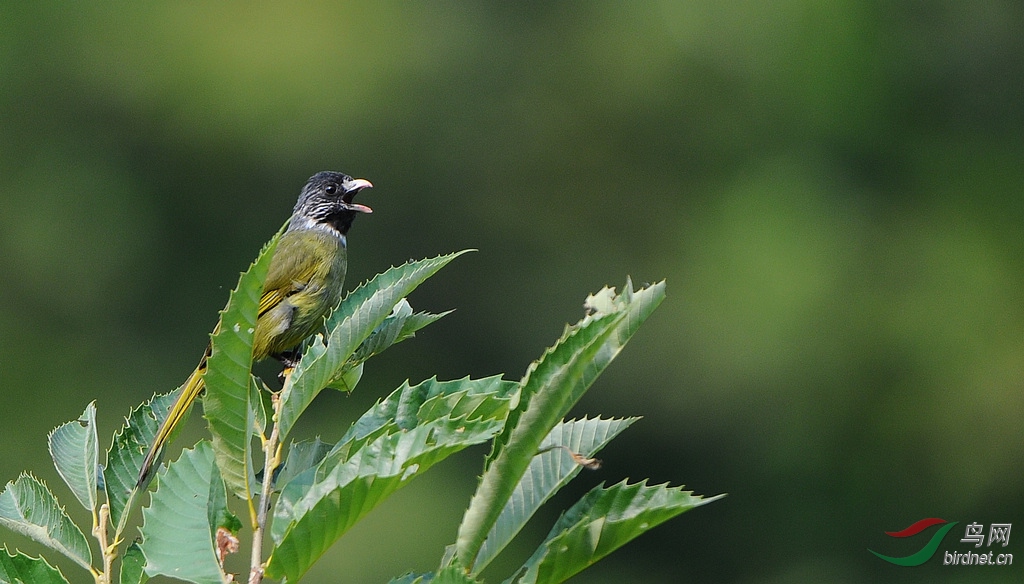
<point x="331" y="189"/>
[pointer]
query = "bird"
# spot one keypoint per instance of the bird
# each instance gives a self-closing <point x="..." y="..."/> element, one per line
<point x="303" y="284"/>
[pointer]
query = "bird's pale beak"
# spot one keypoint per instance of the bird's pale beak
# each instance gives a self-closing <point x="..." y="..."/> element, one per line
<point x="357" y="184"/>
<point x="351" y="188"/>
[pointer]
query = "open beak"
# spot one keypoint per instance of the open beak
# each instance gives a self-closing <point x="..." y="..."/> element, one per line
<point x="351" y="188"/>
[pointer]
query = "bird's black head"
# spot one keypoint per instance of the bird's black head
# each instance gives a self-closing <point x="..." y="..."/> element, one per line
<point x="327" y="200"/>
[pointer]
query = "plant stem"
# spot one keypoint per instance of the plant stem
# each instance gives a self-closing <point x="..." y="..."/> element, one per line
<point x="272" y="457"/>
<point x="99" y="531"/>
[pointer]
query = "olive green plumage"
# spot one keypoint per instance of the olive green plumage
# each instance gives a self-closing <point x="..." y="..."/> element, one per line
<point x="303" y="284"/>
<point x="300" y="288"/>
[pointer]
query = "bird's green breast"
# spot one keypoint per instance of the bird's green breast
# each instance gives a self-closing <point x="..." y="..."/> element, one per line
<point x="305" y="278"/>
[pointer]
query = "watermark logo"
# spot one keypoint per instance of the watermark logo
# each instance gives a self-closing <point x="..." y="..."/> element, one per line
<point x="998" y="534"/>
<point x="929" y="549"/>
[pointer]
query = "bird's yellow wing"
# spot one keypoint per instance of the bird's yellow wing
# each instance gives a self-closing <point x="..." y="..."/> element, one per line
<point x="270" y="299"/>
<point x="297" y="262"/>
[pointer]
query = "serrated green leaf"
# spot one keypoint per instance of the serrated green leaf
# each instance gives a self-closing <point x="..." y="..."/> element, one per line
<point x="324" y="358"/>
<point x="550" y="387"/>
<point x="28" y="507"/>
<point x="548" y="472"/>
<point x="177" y="530"/>
<point x="326" y="520"/>
<point x="348" y="380"/>
<point x="258" y="402"/>
<point x="18" y="568"/>
<point x="386" y="333"/>
<point x="409" y="405"/>
<point x="75" y="452"/>
<point x="396" y="440"/>
<point x="132" y="566"/>
<point x="127" y="451"/>
<point x="400" y="325"/>
<point x="302" y="456"/>
<point x="226" y="404"/>
<point x="601" y="522"/>
<point x="217" y="513"/>
<point x="335" y="503"/>
<point x="565" y="371"/>
<point x="417" y="321"/>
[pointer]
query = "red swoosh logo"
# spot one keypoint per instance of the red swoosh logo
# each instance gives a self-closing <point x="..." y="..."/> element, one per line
<point x="917" y="527"/>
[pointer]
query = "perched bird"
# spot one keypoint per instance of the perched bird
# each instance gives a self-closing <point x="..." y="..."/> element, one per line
<point x="303" y="284"/>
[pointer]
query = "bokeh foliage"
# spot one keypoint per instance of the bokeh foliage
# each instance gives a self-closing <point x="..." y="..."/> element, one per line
<point x="831" y="189"/>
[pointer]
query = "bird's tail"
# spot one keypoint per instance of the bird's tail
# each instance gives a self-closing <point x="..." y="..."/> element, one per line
<point x="189" y="391"/>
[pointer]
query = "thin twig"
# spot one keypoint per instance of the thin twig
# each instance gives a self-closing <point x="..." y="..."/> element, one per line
<point x="272" y="455"/>
<point x="99" y="531"/>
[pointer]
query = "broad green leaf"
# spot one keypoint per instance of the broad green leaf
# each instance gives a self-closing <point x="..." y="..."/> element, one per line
<point x="418" y="321"/>
<point x="228" y="379"/>
<point x="601" y="522"/>
<point x="548" y="472"/>
<point x="178" y="531"/>
<point x="75" y="452"/>
<point x="386" y="333"/>
<point x="348" y="380"/>
<point x="302" y="456"/>
<point x="488" y="397"/>
<point x="565" y="371"/>
<point x="28" y="507"/>
<point x="259" y="401"/>
<point x="133" y="566"/>
<point x="127" y="450"/>
<point x="217" y="512"/>
<point x="331" y="506"/>
<point x="18" y="568"/>
<point x="324" y="359"/>
<point x="405" y="434"/>
<point x="400" y="325"/>
<point x="550" y="387"/>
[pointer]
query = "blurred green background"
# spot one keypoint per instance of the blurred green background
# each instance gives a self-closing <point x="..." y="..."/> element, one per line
<point x="832" y="190"/>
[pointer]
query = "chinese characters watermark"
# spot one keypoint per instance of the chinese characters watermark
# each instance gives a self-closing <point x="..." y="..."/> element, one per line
<point x="997" y="533"/>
